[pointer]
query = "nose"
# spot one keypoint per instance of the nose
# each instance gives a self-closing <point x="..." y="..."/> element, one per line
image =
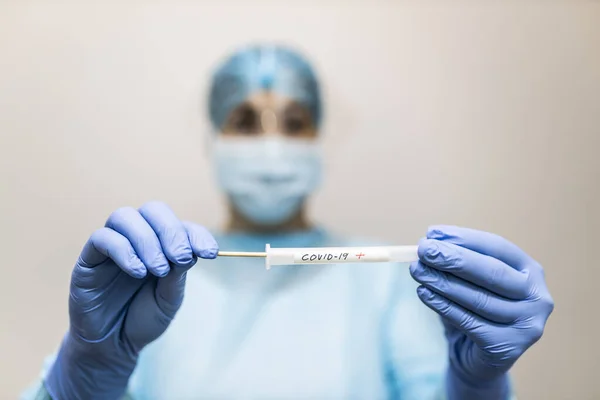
<point x="268" y="120"/>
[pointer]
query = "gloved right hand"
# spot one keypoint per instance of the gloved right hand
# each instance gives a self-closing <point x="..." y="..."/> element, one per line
<point x="126" y="288"/>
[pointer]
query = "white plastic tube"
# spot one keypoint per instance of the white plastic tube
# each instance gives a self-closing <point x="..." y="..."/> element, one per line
<point x="336" y="255"/>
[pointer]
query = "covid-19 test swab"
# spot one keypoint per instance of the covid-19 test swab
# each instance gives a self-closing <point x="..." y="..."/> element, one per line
<point x="329" y="255"/>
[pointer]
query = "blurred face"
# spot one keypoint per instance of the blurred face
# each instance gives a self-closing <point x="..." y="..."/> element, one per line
<point x="268" y="113"/>
<point x="268" y="159"/>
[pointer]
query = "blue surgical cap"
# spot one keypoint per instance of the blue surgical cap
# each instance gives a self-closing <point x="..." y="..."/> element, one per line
<point x="260" y="67"/>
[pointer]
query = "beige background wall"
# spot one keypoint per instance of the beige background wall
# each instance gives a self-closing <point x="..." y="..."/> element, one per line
<point x="485" y="115"/>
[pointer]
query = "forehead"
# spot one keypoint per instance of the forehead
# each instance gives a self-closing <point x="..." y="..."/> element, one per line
<point x="269" y="100"/>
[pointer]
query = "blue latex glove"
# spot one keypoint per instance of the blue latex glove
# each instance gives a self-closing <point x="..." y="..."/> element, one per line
<point x="493" y="301"/>
<point x="125" y="289"/>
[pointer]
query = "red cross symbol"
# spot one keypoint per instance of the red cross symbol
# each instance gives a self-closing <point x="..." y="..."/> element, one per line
<point x="360" y="255"/>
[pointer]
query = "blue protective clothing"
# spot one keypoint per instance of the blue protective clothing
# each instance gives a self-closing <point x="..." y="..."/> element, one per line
<point x="260" y="67"/>
<point x="328" y="332"/>
<point x="267" y="178"/>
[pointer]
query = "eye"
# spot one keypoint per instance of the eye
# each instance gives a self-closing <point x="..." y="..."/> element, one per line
<point x="244" y="120"/>
<point x="296" y="120"/>
<point x="294" y="125"/>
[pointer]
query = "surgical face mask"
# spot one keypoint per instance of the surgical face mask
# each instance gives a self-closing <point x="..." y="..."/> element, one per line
<point x="267" y="178"/>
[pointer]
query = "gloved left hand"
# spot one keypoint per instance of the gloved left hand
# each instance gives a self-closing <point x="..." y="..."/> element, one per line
<point x="491" y="296"/>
